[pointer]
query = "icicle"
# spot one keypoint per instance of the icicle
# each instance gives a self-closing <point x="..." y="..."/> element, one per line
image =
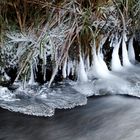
<point x="111" y="39"/>
<point x="115" y="62"/>
<point x="68" y="68"/>
<point x="82" y="75"/>
<point x="102" y="42"/>
<point x="96" y="65"/>
<point x="72" y="67"/>
<point x="131" y="52"/>
<point x="100" y="56"/>
<point x="97" y="69"/>
<point x="32" y="80"/>
<point x="87" y="63"/>
<point x="44" y="72"/>
<point x="125" y="58"/>
<point x="64" y="69"/>
<point x="102" y="63"/>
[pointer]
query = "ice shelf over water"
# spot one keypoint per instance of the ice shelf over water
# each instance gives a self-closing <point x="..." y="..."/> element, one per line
<point x="40" y="101"/>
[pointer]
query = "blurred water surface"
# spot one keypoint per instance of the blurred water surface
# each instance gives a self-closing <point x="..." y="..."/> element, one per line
<point x="103" y="118"/>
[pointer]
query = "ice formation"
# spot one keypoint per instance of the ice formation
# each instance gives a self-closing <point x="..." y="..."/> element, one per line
<point x="31" y="80"/>
<point x="131" y="52"/>
<point x="98" y="68"/>
<point x="115" y="62"/>
<point x="82" y="75"/>
<point x="125" y="59"/>
<point x="40" y="101"/>
<point x="64" y="72"/>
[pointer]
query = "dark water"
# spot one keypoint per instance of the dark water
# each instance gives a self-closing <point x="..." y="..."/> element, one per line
<point x="103" y="118"/>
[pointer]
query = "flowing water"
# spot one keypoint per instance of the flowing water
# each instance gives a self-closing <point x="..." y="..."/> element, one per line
<point x="103" y="118"/>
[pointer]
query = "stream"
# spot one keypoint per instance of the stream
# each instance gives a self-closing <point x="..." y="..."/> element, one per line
<point x="103" y="118"/>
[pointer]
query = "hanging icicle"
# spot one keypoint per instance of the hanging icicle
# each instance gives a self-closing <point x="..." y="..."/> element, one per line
<point x="115" y="62"/>
<point x="87" y="63"/>
<point x="82" y="75"/>
<point x="131" y="52"/>
<point x="100" y="54"/>
<point x="69" y="65"/>
<point x="125" y="58"/>
<point x="73" y="69"/>
<point x="31" y="80"/>
<point x="97" y="69"/>
<point x="102" y="63"/>
<point x="64" y="73"/>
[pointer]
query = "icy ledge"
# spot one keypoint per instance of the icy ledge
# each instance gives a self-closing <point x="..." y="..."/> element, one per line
<point x="40" y="101"/>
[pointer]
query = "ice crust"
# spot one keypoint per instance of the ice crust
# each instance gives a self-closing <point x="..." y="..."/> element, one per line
<point x="40" y="101"/>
